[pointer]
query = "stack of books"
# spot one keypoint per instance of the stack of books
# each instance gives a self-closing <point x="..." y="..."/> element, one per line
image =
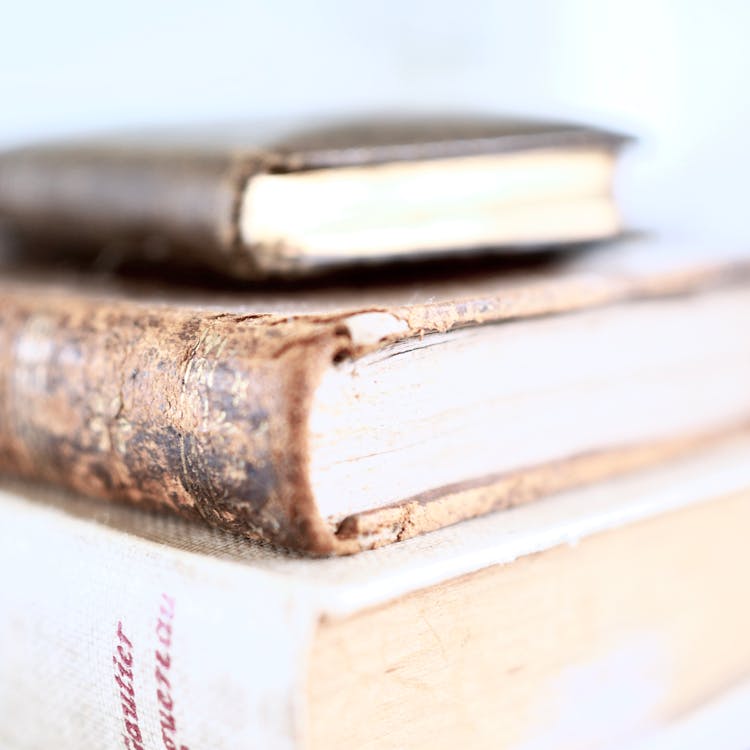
<point x="401" y="457"/>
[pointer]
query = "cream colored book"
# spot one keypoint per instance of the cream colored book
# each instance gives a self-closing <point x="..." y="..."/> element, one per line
<point x="582" y="620"/>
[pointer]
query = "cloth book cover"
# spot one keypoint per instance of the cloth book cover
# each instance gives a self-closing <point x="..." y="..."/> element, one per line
<point x="584" y="618"/>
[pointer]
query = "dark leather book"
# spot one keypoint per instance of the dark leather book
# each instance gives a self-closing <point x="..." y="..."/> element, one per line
<point x="254" y="203"/>
<point x="335" y="420"/>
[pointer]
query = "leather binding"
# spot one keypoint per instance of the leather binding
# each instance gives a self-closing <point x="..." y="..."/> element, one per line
<point x="178" y="193"/>
<point x="199" y="404"/>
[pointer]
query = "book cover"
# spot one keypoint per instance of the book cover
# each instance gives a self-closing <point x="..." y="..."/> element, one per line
<point x="256" y="201"/>
<point x="328" y="423"/>
<point x="585" y="618"/>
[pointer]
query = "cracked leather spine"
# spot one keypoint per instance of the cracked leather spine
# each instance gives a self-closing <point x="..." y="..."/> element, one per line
<point x="201" y="413"/>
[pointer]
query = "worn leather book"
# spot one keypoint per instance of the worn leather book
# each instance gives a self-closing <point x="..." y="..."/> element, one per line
<point x="581" y="621"/>
<point x="254" y="201"/>
<point x="332" y="421"/>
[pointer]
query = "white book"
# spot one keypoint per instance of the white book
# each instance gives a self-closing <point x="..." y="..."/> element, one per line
<point x="578" y="621"/>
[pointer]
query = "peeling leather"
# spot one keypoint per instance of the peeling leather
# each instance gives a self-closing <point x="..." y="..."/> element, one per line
<point x="165" y="401"/>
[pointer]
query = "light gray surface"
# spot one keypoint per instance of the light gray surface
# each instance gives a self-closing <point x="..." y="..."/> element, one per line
<point x="721" y="724"/>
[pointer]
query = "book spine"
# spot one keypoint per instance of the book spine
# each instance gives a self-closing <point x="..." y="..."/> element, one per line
<point x="201" y="413"/>
<point x="114" y="642"/>
<point x="88" y="198"/>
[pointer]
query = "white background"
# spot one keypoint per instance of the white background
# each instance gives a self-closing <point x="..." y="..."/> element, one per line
<point x="674" y="72"/>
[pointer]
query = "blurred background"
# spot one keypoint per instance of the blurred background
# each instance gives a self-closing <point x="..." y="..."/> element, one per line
<point x="673" y="72"/>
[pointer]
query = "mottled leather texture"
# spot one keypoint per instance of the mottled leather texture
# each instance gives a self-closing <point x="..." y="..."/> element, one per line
<point x="199" y="404"/>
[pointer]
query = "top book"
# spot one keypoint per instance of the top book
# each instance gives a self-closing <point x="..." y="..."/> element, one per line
<point x="254" y="204"/>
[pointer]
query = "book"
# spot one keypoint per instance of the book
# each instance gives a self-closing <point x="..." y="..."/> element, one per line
<point x="254" y="201"/>
<point x="332" y="422"/>
<point x="579" y="621"/>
